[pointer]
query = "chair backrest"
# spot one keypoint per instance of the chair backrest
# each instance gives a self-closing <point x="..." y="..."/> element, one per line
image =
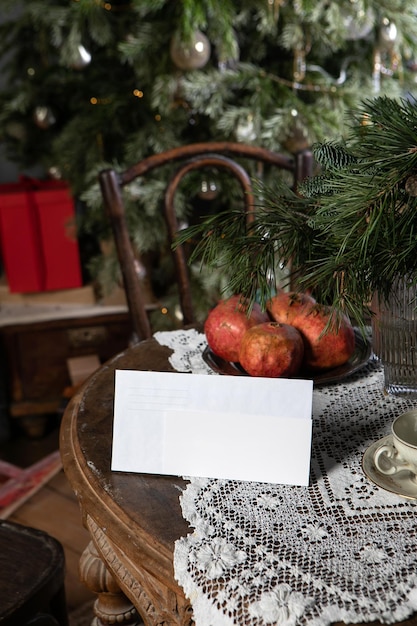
<point x="222" y="155"/>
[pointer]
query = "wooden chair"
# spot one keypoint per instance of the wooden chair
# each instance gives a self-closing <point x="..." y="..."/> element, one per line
<point x="32" y="569"/>
<point x="222" y="155"/>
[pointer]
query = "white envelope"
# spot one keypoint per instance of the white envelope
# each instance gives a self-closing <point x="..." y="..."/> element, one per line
<point x="232" y="427"/>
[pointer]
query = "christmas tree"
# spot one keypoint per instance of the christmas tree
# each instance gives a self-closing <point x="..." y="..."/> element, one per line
<point x="91" y="83"/>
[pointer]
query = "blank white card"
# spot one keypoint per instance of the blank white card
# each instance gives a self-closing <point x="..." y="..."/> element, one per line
<point x="232" y="427"/>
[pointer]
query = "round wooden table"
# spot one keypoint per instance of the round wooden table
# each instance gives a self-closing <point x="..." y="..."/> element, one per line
<point x="133" y="519"/>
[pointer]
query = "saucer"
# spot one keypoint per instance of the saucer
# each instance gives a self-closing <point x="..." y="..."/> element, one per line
<point x="400" y="484"/>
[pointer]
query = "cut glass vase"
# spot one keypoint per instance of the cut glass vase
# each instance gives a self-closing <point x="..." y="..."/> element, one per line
<point x="394" y="337"/>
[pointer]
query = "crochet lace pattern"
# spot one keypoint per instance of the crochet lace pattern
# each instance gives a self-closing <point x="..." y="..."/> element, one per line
<point x="342" y="549"/>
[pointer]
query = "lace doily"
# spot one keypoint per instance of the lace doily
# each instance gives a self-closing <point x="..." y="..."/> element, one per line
<point x="341" y="549"/>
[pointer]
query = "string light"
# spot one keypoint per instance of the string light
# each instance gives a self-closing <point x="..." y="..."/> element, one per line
<point x="94" y="100"/>
<point x="296" y="85"/>
<point x="343" y="71"/>
<point x="108" y="6"/>
<point x="136" y="92"/>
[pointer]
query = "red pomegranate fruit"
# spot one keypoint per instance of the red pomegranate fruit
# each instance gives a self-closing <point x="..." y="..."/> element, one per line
<point x="285" y="305"/>
<point x="226" y="324"/>
<point x="271" y="349"/>
<point x="326" y="343"/>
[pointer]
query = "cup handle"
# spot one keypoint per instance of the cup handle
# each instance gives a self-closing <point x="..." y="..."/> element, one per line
<point x="387" y="461"/>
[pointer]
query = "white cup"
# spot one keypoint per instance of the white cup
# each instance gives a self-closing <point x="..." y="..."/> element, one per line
<point x="400" y="454"/>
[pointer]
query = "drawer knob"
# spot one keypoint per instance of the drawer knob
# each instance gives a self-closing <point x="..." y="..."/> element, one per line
<point x="87" y="336"/>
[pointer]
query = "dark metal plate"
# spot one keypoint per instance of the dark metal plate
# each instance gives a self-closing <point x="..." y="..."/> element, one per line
<point x="357" y="361"/>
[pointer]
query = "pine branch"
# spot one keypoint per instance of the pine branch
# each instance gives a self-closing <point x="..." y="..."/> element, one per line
<point x="351" y="234"/>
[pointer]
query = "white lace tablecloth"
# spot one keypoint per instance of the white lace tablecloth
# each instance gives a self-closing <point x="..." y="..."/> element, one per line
<point x="340" y="549"/>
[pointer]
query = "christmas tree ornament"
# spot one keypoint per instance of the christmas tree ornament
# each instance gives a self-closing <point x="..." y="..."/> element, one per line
<point x="208" y="189"/>
<point x="358" y="25"/>
<point x="193" y="118"/>
<point x="140" y="271"/>
<point x="43" y="117"/>
<point x="55" y="172"/>
<point x="228" y="59"/>
<point x="388" y="33"/>
<point x="296" y="140"/>
<point x="299" y="65"/>
<point x="228" y="64"/>
<point x="377" y="71"/>
<point x="245" y="129"/>
<point x="80" y="58"/>
<point x="192" y="55"/>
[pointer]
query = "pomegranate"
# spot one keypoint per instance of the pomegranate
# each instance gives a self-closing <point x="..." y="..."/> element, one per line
<point x="226" y="324"/>
<point x="271" y="349"/>
<point x="285" y="305"/>
<point x="326" y="345"/>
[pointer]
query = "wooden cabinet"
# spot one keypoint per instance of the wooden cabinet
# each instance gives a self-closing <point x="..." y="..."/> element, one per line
<point x="36" y="352"/>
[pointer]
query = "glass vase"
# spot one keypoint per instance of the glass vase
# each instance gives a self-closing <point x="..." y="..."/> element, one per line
<point x="394" y="337"/>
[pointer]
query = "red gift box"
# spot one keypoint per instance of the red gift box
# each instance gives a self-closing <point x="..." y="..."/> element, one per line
<point x="38" y="236"/>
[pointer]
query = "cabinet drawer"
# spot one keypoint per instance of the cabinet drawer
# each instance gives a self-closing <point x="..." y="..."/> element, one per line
<point x="87" y="337"/>
<point x="36" y="355"/>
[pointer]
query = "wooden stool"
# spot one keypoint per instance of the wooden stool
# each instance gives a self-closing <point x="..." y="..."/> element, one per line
<point x="32" y="569"/>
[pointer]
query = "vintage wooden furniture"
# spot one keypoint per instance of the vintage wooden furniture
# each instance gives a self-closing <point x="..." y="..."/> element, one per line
<point x="32" y="570"/>
<point x="36" y="344"/>
<point x="224" y="155"/>
<point x="133" y="519"/>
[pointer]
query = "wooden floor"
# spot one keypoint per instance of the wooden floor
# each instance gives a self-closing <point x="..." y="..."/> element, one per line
<point x="53" y="509"/>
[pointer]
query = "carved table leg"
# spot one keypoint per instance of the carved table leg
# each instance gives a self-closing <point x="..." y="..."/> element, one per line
<point x="111" y="606"/>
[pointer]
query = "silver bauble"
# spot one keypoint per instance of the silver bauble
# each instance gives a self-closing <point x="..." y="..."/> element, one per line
<point x="388" y="32"/>
<point x="359" y="25"/>
<point x="43" y="117"/>
<point x="245" y="130"/>
<point x="55" y="172"/>
<point x="193" y="55"/>
<point x="80" y="58"/>
<point x="208" y="190"/>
